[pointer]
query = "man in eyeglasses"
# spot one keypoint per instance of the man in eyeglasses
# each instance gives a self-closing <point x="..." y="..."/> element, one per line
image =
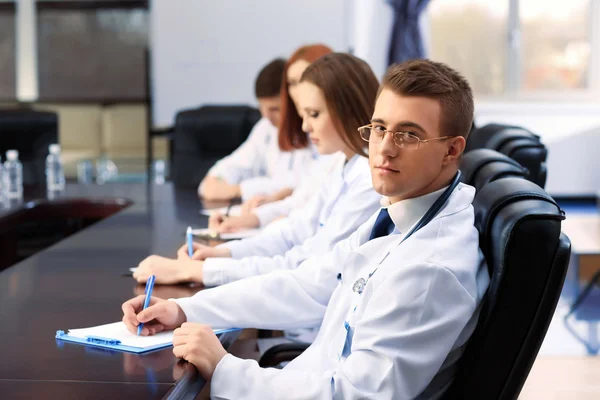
<point x="397" y="300"/>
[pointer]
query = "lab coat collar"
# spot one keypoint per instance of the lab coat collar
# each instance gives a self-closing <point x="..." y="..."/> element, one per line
<point x="407" y="212"/>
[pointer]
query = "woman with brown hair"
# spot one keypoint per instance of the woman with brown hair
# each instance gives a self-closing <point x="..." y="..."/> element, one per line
<point x="335" y="95"/>
<point x="292" y="141"/>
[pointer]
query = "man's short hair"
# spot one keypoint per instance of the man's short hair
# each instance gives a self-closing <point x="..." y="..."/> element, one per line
<point x="268" y="82"/>
<point x="434" y="80"/>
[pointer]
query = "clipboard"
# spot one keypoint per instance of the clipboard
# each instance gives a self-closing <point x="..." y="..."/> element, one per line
<point x="116" y="337"/>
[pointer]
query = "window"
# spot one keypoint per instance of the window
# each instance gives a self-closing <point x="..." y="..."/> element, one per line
<point x="555" y="44"/>
<point x="92" y="54"/>
<point x="514" y="47"/>
<point x="468" y="35"/>
<point x="7" y="52"/>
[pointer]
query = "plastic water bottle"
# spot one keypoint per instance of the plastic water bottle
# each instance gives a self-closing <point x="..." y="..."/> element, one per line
<point x="159" y="172"/>
<point x="55" y="177"/>
<point x="1" y="181"/>
<point x="13" y="175"/>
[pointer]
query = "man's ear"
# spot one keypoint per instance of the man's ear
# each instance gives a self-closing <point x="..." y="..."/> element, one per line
<point x="456" y="146"/>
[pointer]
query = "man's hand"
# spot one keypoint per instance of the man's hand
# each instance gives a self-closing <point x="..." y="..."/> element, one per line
<point x="198" y="344"/>
<point x="234" y="224"/>
<point x="215" y="220"/>
<point x="254" y="202"/>
<point x="161" y="315"/>
<point x="202" y="252"/>
<point x="168" y="271"/>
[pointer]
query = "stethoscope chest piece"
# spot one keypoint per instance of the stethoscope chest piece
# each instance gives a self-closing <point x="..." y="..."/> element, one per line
<point x="359" y="285"/>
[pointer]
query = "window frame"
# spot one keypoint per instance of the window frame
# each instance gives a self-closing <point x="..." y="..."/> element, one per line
<point x="513" y="48"/>
<point x="29" y="26"/>
<point x="10" y="7"/>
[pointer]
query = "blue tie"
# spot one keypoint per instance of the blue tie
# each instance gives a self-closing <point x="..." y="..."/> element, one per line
<point x="383" y="225"/>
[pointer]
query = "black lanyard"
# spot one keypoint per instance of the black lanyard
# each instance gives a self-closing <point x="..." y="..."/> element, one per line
<point x="434" y="210"/>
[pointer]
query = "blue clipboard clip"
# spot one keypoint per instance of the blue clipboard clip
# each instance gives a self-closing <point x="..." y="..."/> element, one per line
<point x="101" y="340"/>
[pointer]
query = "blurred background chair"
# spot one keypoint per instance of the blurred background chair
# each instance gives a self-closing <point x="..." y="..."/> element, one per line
<point x="482" y="166"/>
<point x="517" y="143"/>
<point x="527" y="257"/>
<point x="204" y="135"/>
<point x="30" y="132"/>
<point x="480" y="135"/>
<point x="525" y="148"/>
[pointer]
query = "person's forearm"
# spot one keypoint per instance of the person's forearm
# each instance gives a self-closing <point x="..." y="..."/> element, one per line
<point x="282" y="194"/>
<point x="235" y="304"/>
<point x="214" y="189"/>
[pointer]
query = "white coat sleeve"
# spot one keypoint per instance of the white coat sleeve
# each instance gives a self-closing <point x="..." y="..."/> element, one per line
<point x="358" y="204"/>
<point x="269" y="212"/>
<point x="274" y="240"/>
<point x="248" y="160"/>
<point x="406" y="332"/>
<point x="309" y="185"/>
<point x="281" y="300"/>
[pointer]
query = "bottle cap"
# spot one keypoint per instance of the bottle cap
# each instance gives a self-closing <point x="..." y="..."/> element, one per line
<point x="54" y="148"/>
<point x="12" y="155"/>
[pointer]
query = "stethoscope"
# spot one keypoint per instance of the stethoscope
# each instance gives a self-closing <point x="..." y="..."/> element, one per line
<point x="361" y="283"/>
<point x="434" y="210"/>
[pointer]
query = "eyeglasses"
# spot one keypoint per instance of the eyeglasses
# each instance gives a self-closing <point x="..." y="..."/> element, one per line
<point x="404" y="140"/>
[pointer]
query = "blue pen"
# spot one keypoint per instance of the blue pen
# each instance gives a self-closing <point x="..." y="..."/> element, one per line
<point x="148" y="292"/>
<point x="190" y="241"/>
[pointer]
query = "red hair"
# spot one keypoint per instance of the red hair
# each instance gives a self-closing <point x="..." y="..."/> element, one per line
<point x="291" y="135"/>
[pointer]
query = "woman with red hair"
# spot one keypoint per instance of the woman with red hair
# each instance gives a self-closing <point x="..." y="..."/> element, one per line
<point x="272" y="161"/>
<point x="293" y="142"/>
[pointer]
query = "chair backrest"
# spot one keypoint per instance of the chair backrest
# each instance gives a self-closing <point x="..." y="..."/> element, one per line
<point x="482" y="166"/>
<point x="205" y="135"/>
<point x="527" y="257"/>
<point x="525" y="148"/>
<point x="479" y="136"/>
<point x="30" y="132"/>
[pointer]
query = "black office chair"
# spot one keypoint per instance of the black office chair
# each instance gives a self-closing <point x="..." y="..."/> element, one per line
<point x="525" y="148"/>
<point x="479" y="136"/>
<point x="30" y="132"/>
<point x="527" y="257"/>
<point x="205" y="135"/>
<point x="482" y="166"/>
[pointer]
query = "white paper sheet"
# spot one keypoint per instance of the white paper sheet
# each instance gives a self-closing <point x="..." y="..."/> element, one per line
<point x="118" y="331"/>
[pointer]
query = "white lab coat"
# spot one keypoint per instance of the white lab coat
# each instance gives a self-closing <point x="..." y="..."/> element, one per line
<point x="259" y="166"/>
<point x="317" y="172"/>
<point x="408" y="327"/>
<point x="345" y="200"/>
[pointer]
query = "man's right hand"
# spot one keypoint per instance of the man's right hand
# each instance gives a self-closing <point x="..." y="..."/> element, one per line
<point x="160" y="316"/>
<point x="202" y="252"/>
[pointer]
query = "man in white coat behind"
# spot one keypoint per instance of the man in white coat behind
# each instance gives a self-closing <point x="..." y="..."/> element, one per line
<point x="397" y="305"/>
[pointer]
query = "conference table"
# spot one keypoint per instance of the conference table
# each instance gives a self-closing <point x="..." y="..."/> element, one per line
<point x="79" y="281"/>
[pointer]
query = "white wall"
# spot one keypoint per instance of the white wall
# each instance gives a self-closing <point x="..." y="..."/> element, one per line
<point x="372" y="22"/>
<point x="210" y="52"/>
<point x="207" y="51"/>
<point x="571" y="131"/>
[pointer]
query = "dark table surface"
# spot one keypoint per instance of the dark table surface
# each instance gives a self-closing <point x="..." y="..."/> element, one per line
<point x="78" y="283"/>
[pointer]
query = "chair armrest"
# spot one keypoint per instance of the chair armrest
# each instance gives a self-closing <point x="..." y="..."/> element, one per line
<point x="282" y="352"/>
<point x="167" y="132"/>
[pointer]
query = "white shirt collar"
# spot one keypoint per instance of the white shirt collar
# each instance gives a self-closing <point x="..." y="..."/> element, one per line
<point x="406" y="213"/>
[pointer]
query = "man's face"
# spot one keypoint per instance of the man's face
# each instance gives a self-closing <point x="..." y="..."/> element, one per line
<point x="270" y="108"/>
<point x="401" y="173"/>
